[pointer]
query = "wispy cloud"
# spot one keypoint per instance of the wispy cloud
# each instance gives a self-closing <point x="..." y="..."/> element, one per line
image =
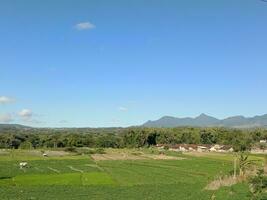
<point x="6" y="100"/>
<point x="124" y="109"/>
<point x="6" y="118"/>
<point x="84" y="26"/>
<point x="25" y="114"/>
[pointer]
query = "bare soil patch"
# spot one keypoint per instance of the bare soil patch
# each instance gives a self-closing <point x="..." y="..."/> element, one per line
<point x="162" y="157"/>
<point x="128" y="156"/>
<point x="115" y="156"/>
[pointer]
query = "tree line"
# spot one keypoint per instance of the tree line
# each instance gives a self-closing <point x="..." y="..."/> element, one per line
<point x="133" y="137"/>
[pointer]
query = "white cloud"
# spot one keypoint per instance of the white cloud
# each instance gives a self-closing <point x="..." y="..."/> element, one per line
<point x="25" y="114"/>
<point x="6" y="100"/>
<point x="28" y="116"/>
<point x="6" y="118"/>
<point x="84" y="26"/>
<point x="123" y="108"/>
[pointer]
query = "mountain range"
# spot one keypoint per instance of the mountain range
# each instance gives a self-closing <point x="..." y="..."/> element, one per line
<point x="204" y="120"/>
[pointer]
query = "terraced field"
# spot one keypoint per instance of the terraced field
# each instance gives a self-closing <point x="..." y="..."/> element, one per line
<point x="80" y="177"/>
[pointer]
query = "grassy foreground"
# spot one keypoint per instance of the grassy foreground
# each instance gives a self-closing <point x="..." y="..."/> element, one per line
<point x="67" y="176"/>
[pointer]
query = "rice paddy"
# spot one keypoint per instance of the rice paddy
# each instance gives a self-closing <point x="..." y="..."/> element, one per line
<point x="70" y="176"/>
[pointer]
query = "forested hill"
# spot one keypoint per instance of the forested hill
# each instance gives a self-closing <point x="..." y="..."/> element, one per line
<point x="208" y="121"/>
<point x="13" y="126"/>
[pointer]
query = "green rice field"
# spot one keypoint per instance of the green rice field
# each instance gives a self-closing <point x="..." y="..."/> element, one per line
<point x="73" y="176"/>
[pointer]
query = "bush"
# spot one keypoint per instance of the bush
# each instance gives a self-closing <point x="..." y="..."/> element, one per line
<point x="166" y="148"/>
<point x="258" y="185"/>
<point x="25" y="145"/>
<point x="71" y="149"/>
<point x="91" y="151"/>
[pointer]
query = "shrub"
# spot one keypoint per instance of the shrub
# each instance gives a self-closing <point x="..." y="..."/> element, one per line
<point x="92" y="151"/>
<point x="71" y="149"/>
<point x="25" y="145"/>
<point x="166" y="147"/>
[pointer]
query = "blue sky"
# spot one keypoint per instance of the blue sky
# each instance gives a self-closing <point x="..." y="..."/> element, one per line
<point x="120" y="63"/>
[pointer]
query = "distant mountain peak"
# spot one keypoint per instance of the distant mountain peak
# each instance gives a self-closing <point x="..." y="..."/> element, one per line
<point x="167" y="117"/>
<point x="203" y="115"/>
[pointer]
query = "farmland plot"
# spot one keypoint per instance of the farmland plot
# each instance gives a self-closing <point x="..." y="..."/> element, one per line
<point x="81" y="177"/>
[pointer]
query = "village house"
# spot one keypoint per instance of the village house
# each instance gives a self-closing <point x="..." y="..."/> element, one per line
<point x="198" y="148"/>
